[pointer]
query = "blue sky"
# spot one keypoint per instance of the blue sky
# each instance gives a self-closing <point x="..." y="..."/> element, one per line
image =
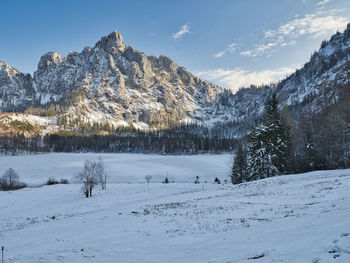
<point x="231" y="43"/>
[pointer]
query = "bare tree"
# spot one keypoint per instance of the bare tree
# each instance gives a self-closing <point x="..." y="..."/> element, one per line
<point x="88" y="177"/>
<point x="10" y="180"/>
<point x="101" y="172"/>
<point x="11" y="176"/>
<point x="148" y="178"/>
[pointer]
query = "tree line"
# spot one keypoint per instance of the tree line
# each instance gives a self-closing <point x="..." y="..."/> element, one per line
<point x="275" y="146"/>
<point x="186" y="139"/>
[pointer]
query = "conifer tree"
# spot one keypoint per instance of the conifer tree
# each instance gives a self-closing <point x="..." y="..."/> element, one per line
<point x="276" y="135"/>
<point x="309" y="150"/>
<point x="259" y="161"/>
<point x="269" y="151"/>
<point x="239" y="167"/>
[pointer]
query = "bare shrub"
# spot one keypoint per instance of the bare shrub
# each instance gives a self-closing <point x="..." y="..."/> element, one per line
<point x="196" y="180"/>
<point x="166" y="180"/>
<point x="10" y="181"/>
<point x="64" y="181"/>
<point x="148" y="178"/>
<point x="52" y="181"/>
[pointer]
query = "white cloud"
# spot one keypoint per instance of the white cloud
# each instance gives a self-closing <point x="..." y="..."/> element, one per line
<point x="185" y="29"/>
<point x="323" y="2"/>
<point x="322" y="23"/>
<point x="238" y="77"/>
<point x="219" y="55"/>
<point x="230" y="49"/>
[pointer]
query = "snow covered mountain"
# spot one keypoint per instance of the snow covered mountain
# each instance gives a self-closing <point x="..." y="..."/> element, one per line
<point x="16" y="88"/>
<point x="121" y="85"/>
<point x="116" y="84"/>
<point x="312" y="89"/>
<point x="323" y="80"/>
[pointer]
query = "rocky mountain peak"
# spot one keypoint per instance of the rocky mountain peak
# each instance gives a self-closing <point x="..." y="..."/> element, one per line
<point x="49" y="58"/>
<point x="347" y="31"/>
<point x="7" y="71"/>
<point x="113" y="42"/>
<point x="166" y="63"/>
<point x="16" y="88"/>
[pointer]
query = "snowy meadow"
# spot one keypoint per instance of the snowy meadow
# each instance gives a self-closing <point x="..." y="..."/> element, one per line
<point x="293" y="218"/>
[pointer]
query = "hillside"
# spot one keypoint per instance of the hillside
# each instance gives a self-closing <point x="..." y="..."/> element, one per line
<point x="295" y="218"/>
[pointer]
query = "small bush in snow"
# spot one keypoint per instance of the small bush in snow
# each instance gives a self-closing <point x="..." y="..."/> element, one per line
<point x="148" y="178"/>
<point x="52" y="181"/>
<point x="10" y="181"/>
<point x="64" y="181"/>
<point x="217" y="180"/>
<point x="166" y="181"/>
<point x="196" y="180"/>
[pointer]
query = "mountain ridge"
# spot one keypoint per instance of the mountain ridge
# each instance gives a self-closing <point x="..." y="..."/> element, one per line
<point x="116" y="84"/>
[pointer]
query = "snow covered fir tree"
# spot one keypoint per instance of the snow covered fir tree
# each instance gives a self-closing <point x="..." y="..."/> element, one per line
<point x="269" y="147"/>
<point x="239" y="167"/>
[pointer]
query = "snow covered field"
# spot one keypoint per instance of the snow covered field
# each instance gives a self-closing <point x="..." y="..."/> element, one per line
<point x="122" y="168"/>
<point x="294" y="218"/>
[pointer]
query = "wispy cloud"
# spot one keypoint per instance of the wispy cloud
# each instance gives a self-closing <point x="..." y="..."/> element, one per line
<point x="238" y="77"/>
<point x="323" y="2"/>
<point x="314" y="25"/>
<point x="185" y="29"/>
<point x="230" y="49"/>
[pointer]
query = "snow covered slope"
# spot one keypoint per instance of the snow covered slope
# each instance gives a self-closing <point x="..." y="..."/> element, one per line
<point x="27" y="124"/>
<point x="295" y="218"/>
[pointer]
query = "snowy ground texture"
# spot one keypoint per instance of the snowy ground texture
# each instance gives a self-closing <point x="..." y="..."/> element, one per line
<point x="295" y="218"/>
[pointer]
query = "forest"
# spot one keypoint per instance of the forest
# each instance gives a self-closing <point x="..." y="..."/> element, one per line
<point x="188" y="139"/>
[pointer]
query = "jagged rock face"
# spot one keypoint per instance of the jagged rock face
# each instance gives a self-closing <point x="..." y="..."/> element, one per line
<point x="15" y="88"/>
<point x="48" y="59"/>
<point x="112" y="42"/>
<point x="322" y="80"/>
<point x="122" y="83"/>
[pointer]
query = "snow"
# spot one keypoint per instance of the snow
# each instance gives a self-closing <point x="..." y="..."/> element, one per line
<point x="141" y="125"/>
<point x="294" y="218"/>
<point x="47" y="124"/>
<point x="122" y="167"/>
<point x="39" y="120"/>
<point x="327" y="50"/>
